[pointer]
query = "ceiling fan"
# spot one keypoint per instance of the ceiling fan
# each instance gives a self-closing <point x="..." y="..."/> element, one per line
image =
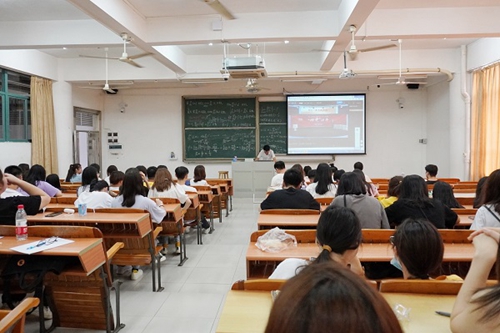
<point x="354" y="51"/>
<point x="402" y="79"/>
<point x="220" y="8"/>
<point x="124" y="57"/>
<point x="346" y="72"/>
<point x="253" y="87"/>
<point x="107" y="87"/>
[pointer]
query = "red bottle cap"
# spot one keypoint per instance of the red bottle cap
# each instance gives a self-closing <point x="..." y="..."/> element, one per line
<point x="20" y="206"/>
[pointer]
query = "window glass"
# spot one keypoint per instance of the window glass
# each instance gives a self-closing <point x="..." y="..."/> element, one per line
<point x="17" y="118"/>
<point x="2" y="134"/>
<point x="18" y="84"/>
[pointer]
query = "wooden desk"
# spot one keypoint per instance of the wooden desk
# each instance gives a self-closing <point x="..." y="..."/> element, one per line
<point x="60" y="206"/>
<point x="114" y="226"/>
<point x="261" y="264"/>
<point x="269" y="221"/>
<point x="465" y="221"/>
<point x="216" y="191"/>
<point x="422" y="315"/>
<point x="228" y="182"/>
<point x="88" y="250"/>
<point x="172" y="225"/>
<point x="194" y="211"/>
<point x="248" y="311"/>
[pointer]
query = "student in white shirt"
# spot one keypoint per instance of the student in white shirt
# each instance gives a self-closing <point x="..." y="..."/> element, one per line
<point x="164" y="187"/>
<point x="323" y="185"/>
<point x="266" y="154"/>
<point x="277" y="181"/>
<point x="199" y="176"/>
<point x="95" y="196"/>
<point x="12" y="189"/>
<point x="182" y="174"/>
<point x="131" y="197"/>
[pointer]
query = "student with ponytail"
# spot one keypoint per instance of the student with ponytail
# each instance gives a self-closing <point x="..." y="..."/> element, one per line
<point x="74" y="173"/>
<point x="338" y="235"/>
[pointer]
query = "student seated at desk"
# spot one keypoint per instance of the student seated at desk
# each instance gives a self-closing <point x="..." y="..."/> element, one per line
<point x="418" y="249"/>
<point x="444" y="192"/>
<point x="291" y="197"/>
<point x="329" y="298"/>
<point x="277" y="180"/>
<point x="182" y="174"/>
<point x="199" y="176"/>
<point x="54" y="180"/>
<point x="36" y="200"/>
<point x="132" y="197"/>
<point x="116" y="181"/>
<point x="164" y="187"/>
<point x="478" y="199"/>
<point x="12" y="189"/>
<point x="89" y="176"/>
<point x="392" y="192"/>
<point x="338" y="235"/>
<point x="488" y="215"/>
<point x="95" y="196"/>
<point x="74" y="174"/>
<point x="323" y="185"/>
<point x="431" y="171"/>
<point x="351" y="193"/>
<point x="477" y="307"/>
<point x="414" y="203"/>
<point x="36" y="176"/>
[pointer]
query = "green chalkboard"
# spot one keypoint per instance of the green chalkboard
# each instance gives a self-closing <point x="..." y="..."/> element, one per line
<point x="274" y="136"/>
<point x="219" y="143"/>
<point x="273" y="126"/>
<point x="221" y="112"/>
<point x="272" y="113"/>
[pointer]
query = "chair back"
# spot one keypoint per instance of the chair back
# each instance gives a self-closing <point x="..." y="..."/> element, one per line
<point x="168" y="200"/>
<point x="302" y="236"/>
<point x="450" y="181"/>
<point x="325" y="201"/>
<point x="122" y="210"/>
<point x="467" y="201"/>
<point x="291" y="211"/>
<point x="465" y="211"/>
<point x="421" y="287"/>
<point x="258" y="284"/>
<point x="66" y="200"/>
<point x="377" y="235"/>
<point x="455" y="235"/>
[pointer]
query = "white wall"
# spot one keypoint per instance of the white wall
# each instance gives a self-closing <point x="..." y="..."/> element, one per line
<point x="14" y="153"/>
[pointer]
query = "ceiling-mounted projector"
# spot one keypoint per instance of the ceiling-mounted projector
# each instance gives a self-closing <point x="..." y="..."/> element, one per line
<point x="347" y="74"/>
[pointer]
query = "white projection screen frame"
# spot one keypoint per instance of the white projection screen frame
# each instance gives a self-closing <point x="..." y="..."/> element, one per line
<point x="326" y="124"/>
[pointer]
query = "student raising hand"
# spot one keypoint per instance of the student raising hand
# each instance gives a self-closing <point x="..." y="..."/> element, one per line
<point x="476" y="307"/>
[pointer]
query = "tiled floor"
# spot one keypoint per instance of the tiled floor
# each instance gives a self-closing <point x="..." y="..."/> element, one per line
<point x="194" y="293"/>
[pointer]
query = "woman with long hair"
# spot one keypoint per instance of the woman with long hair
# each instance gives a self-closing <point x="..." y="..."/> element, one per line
<point x="329" y="298"/>
<point x="199" y="176"/>
<point x="488" y="215"/>
<point x="443" y="192"/>
<point x="36" y="176"/>
<point x="74" y="174"/>
<point x="97" y="197"/>
<point x="89" y="179"/>
<point x="414" y="202"/>
<point x="351" y="193"/>
<point x="338" y="235"/>
<point x="131" y="197"/>
<point x="478" y="199"/>
<point x="392" y="192"/>
<point x="418" y="248"/>
<point x="323" y="185"/>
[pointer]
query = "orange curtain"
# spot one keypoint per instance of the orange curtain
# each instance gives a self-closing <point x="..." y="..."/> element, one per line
<point x="43" y="132"/>
<point x="485" y="121"/>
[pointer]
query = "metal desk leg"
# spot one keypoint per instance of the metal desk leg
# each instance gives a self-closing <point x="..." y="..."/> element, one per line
<point x="211" y="219"/>
<point x="231" y="203"/>
<point x="182" y="245"/>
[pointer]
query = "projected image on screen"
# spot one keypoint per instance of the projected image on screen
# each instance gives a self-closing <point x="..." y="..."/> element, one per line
<point x="326" y="124"/>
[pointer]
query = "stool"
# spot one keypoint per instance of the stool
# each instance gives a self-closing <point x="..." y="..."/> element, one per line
<point x="223" y="174"/>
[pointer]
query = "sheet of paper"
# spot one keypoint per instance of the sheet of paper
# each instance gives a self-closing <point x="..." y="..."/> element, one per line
<point x="32" y="247"/>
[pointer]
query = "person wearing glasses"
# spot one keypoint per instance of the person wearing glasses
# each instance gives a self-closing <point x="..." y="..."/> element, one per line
<point x="338" y="236"/>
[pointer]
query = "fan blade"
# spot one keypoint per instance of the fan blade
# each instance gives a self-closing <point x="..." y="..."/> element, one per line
<point x="376" y="48"/>
<point x="130" y="62"/>
<point x="137" y="56"/>
<point x="220" y="8"/>
<point x="96" y="57"/>
<point x="353" y="55"/>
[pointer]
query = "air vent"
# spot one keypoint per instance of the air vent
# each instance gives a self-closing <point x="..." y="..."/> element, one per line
<point x="84" y="119"/>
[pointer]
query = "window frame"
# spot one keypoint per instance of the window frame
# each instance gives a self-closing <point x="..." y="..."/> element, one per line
<point x="5" y="97"/>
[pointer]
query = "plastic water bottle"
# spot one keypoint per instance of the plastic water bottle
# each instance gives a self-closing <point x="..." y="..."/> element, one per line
<point x="21" y="224"/>
<point x="235" y="159"/>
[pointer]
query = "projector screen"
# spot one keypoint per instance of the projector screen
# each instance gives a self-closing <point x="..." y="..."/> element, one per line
<point x="326" y="124"/>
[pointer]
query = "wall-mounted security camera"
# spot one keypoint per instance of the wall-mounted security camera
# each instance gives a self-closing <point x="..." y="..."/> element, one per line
<point x="225" y="76"/>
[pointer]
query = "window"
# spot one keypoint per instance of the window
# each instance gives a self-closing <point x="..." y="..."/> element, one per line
<point x="15" y="115"/>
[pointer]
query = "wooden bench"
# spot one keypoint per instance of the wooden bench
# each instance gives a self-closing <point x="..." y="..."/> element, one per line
<point x="437" y="287"/>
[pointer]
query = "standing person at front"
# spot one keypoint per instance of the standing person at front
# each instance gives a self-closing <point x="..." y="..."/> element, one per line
<point x="266" y="154"/>
<point x="291" y="197"/>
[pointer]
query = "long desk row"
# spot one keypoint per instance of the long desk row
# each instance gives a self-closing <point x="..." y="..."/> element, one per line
<point x="248" y="311"/>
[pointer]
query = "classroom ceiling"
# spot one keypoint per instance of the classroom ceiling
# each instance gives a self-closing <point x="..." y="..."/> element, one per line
<point x="181" y="34"/>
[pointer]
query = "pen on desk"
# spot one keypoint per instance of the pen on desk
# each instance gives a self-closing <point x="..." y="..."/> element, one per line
<point x="42" y="243"/>
<point x="442" y="313"/>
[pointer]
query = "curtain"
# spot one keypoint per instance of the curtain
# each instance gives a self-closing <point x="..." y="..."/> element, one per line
<point x="485" y="121"/>
<point x="43" y="133"/>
